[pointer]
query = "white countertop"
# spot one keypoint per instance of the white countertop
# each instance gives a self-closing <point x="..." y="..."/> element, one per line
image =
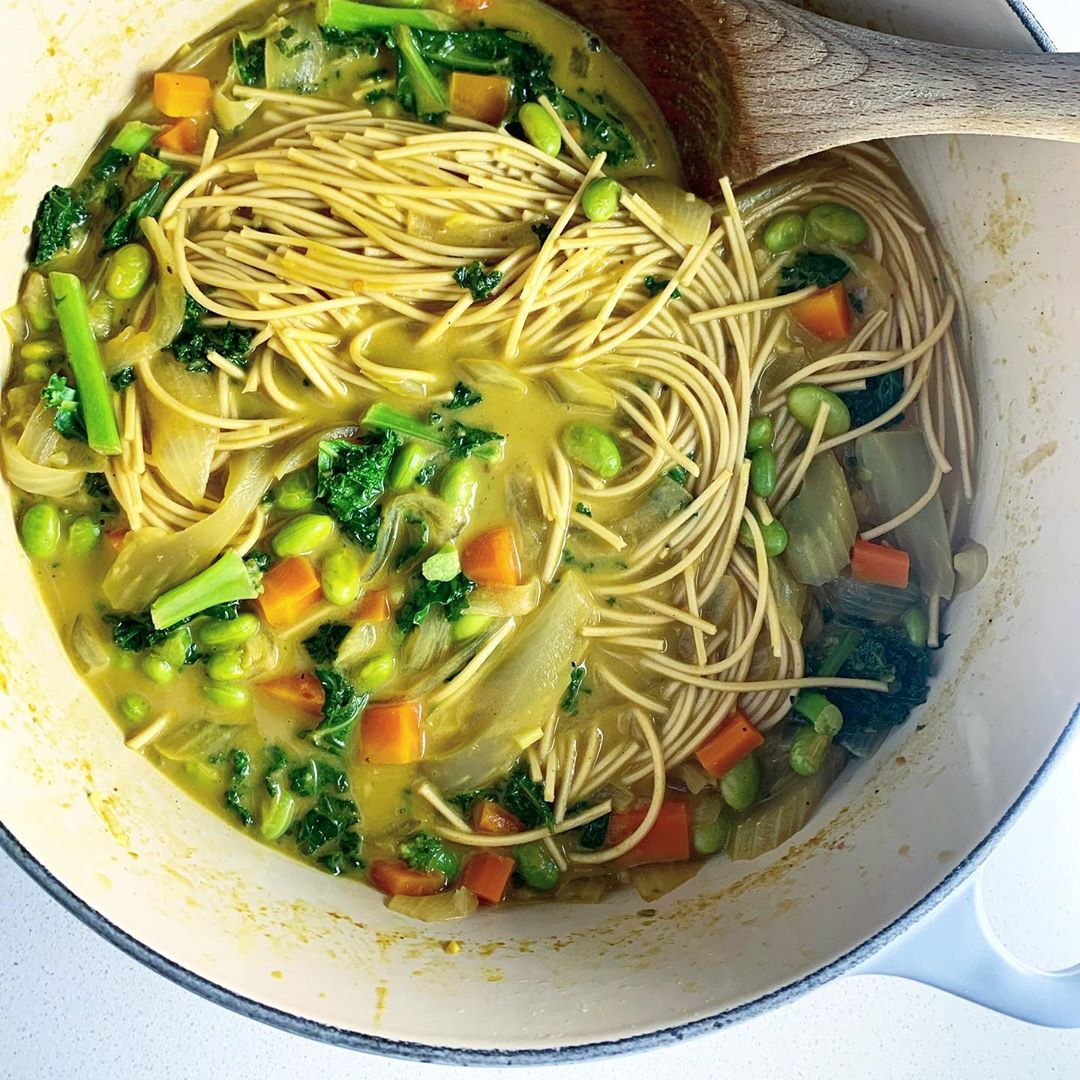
<point x="72" y="1006"/>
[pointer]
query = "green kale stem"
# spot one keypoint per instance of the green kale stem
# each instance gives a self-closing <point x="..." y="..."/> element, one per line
<point x="384" y="418"/>
<point x="69" y="300"/>
<point x="351" y="17"/>
<point x="229" y="579"/>
<point x="838" y="657"/>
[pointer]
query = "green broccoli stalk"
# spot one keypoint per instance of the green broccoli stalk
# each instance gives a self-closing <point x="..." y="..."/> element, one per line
<point x="349" y="17"/>
<point x="130" y="141"/>
<point x="458" y="441"/>
<point x="228" y="580"/>
<point x="426" y="852"/>
<point x="95" y="397"/>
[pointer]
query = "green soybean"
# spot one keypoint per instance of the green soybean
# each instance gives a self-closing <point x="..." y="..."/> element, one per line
<point x="276" y="815"/>
<point x="468" y="626"/>
<point x="303" y="535"/>
<point x="805" y="400"/>
<point x="763" y="473"/>
<point x="710" y="838"/>
<point x="783" y="232"/>
<point x="826" y="718"/>
<point x="227" y="695"/>
<point x="226" y="666"/>
<point x="41" y="350"/>
<point x="341" y="573"/>
<point x="835" y="223"/>
<point x="759" y="435"/>
<point x="459" y="485"/>
<point x="807" y="751"/>
<point x="593" y="448"/>
<point x="916" y="626"/>
<point x="39" y="530"/>
<point x="128" y="272"/>
<point x="224" y="633"/>
<point x="35" y="373"/>
<point x="123" y="660"/>
<point x="444" y="565"/>
<point x="176" y="647"/>
<point x="203" y="774"/>
<point x="296" y="492"/>
<point x="375" y="673"/>
<point x="406" y="466"/>
<point x="775" y="538"/>
<point x="134" y="707"/>
<point x="539" y="128"/>
<point x="157" y="669"/>
<point x="741" y="783"/>
<point x="84" y="534"/>
<point x="536" y="866"/>
<point x="600" y="199"/>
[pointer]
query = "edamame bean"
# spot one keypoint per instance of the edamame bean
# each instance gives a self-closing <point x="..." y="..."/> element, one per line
<point x="763" y="473"/>
<point x="536" y="866"/>
<point x="227" y="695"/>
<point x="406" y="466"/>
<point x="916" y="626"/>
<point x="35" y="373"/>
<point x="223" y="633"/>
<point x="444" y="565"/>
<point x="375" y="673"/>
<point x="203" y="774"/>
<point x="835" y="223"/>
<point x="600" y="199"/>
<point x="775" y="537"/>
<point x="387" y="107"/>
<point x="157" y="669"/>
<point x="341" y="573"/>
<point x="804" y="401"/>
<point x="41" y="350"/>
<point x="128" y="273"/>
<point x="741" y="783"/>
<point x="39" y="530"/>
<point x="101" y="317"/>
<point x="826" y="718"/>
<point x="226" y="666"/>
<point x="468" y="626"/>
<point x="176" y="647"/>
<point x="458" y="485"/>
<point x="303" y="535"/>
<point x="134" y="707"/>
<point x="783" y="232"/>
<point x="807" y="751"/>
<point x="539" y="128"/>
<point x="296" y="491"/>
<point x="759" y="435"/>
<point x="276" y="815"/>
<point x="83" y="536"/>
<point x="593" y="448"/>
<point x="710" y="838"/>
<point x="123" y="660"/>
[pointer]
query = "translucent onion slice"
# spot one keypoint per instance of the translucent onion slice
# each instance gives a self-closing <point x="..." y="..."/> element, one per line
<point x="687" y="217"/>
<point x="442" y="907"/>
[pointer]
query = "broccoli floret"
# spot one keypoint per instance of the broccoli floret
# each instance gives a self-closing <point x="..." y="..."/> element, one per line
<point x="67" y="417"/>
<point x="426" y="852"/>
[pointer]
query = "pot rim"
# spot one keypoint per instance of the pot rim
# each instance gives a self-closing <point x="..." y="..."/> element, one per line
<point x="442" y="1055"/>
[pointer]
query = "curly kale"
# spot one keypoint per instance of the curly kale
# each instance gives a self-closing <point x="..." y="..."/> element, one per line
<point x="656" y="285"/>
<point x="122" y="379"/>
<point x="237" y="791"/>
<point x="882" y="392"/>
<point x="59" y="215"/>
<point x="464" y="397"/>
<point x="323" y="645"/>
<point x="569" y="701"/>
<point x="452" y="596"/>
<point x="341" y="709"/>
<point x="328" y="835"/>
<point x="426" y="852"/>
<point x="250" y="61"/>
<point x="194" y="341"/>
<point x="477" y="280"/>
<point x="64" y="400"/>
<point x="524" y="798"/>
<point x="316" y="776"/>
<point x="465" y="441"/>
<point x="352" y="477"/>
<point x="812" y="268"/>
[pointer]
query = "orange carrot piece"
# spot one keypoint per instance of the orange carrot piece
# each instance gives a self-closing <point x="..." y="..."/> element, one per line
<point x="290" y="588"/>
<point x="480" y="97"/>
<point x="373" y="607"/>
<point x="178" y="93"/>
<point x="667" y="841"/>
<point x="396" y="879"/>
<point x="880" y="564"/>
<point x="486" y="876"/>
<point x="826" y="314"/>
<point x="489" y="817"/>
<point x="736" y="738"/>
<point x="183" y="136"/>
<point x="390" y="733"/>
<point x="303" y="692"/>
<point x="492" y="559"/>
<point x="116" y="538"/>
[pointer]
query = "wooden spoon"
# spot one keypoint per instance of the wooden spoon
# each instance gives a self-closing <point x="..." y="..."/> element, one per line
<point x="748" y="85"/>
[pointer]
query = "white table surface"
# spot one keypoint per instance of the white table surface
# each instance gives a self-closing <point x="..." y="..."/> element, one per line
<point x="72" y="1006"/>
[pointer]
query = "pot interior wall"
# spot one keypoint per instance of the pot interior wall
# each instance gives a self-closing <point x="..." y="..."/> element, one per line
<point x="174" y="877"/>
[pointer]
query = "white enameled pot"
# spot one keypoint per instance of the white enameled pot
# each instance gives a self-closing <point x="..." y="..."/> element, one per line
<point x="194" y="898"/>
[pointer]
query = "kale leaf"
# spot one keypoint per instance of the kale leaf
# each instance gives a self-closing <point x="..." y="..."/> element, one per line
<point x="882" y="392"/>
<point x="542" y="230"/>
<point x="812" y="268"/>
<point x="420" y="534"/>
<point x="323" y="645"/>
<point x="250" y="61"/>
<point x="137" y="633"/>
<point x="124" y="227"/>
<point x="426" y="852"/>
<point x="194" y="341"/>
<point x="59" y="214"/>
<point x="466" y="440"/>
<point x="237" y="789"/>
<point x="327" y="834"/>
<point x="276" y="761"/>
<point x="464" y="397"/>
<point x="122" y="379"/>
<point x="317" y="776"/>
<point x="569" y="701"/>
<point x="654" y="286"/>
<point x="351" y="479"/>
<point x="593" y="835"/>
<point x="64" y="399"/>
<point x="479" y="282"/>
<point x="524" y="798"/>
<point x="342" y="706"/>
<point x="452" y="596"/>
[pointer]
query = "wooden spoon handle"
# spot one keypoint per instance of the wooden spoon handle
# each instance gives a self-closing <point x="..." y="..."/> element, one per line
<point x="841" y="84"/>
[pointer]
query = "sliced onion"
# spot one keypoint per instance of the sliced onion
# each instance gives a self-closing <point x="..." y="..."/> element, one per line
<point x="442" y="907"/>
<point x="493" y="373"/>
<point x="687" y="217"/>
<point x="425" y="645"/>
<point x="970" y="563"/>
<point x="506" y="600"/>
<point x="55" y="483"/>
<point x="357" y="644"/>
<point x="578" y="388"/>
<point x="88" y="645"/>
<point x="195" y="741"/>
<point x="658" y="879"/>
<point x="524" y="504"/>
<point x="296" y="63"/>
<point x="232" y="113"/>
<point x="465" y="231"/>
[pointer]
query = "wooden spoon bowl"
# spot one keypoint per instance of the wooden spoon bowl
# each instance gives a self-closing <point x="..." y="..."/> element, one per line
<point x="748" y="85"/>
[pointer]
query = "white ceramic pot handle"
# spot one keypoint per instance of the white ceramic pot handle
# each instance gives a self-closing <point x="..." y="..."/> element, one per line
<point x="955" y="949"/>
